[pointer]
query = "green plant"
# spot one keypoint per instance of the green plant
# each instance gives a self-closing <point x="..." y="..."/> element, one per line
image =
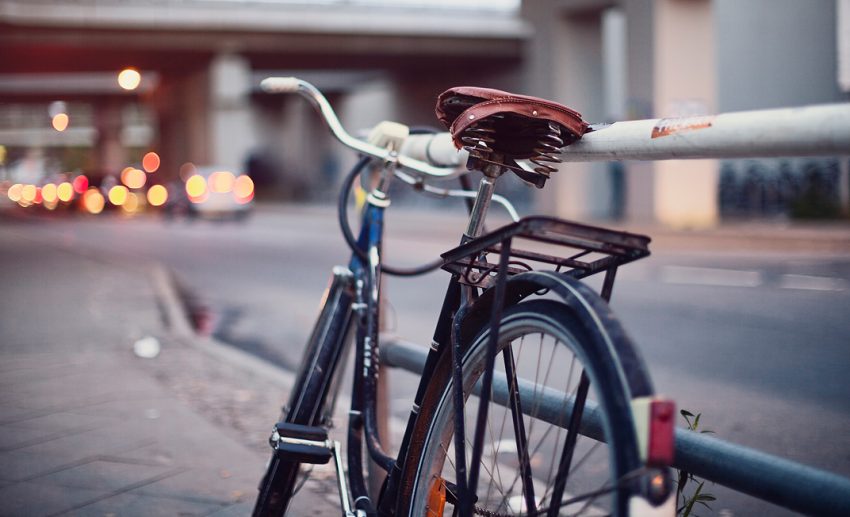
<point x="689" y="502"/>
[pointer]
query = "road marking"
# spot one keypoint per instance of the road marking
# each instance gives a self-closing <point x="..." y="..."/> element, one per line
<point x="812" y="283"/>
<point x="710" y="276"/>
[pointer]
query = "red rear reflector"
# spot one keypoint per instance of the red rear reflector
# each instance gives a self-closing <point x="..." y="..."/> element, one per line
<point x="662" y="420"/>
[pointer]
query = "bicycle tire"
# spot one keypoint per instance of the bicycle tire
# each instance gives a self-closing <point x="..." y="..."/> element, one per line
<point x="556" y="322"/>
<point x="308" y="403"/>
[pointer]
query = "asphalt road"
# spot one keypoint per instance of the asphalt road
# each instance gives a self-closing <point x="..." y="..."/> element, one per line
<point x="756" y="341"/>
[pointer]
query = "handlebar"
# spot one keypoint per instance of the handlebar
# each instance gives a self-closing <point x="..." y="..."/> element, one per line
<point x="429" y="155"/>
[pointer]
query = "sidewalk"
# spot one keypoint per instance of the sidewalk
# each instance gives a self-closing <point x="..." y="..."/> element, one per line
<point x="87" y="427"/>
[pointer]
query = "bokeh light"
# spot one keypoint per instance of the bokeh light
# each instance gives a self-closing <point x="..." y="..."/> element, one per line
<point x="222" y="181"/>
<point x="150" y="162"/>
<point x="131" y="205"/>
<point x="60" y="121"/>
<point x="157" y="195"/>
<point x="196" y="186"/>
<point x="129" y="79"/>
<point x="133" y="178"/>
<point x="118" y="195"/>
<point x="28" y="193"/>
<point x="14" y="192"/>
<point x="93" y="201"/>
<point x="65" y="192"/>
<point x="48" y="193"/>
<point x="81" y="184"/>
<point x="187" y="170"/>
<point x="243" y="189"/>
<point x="38" y="197"/>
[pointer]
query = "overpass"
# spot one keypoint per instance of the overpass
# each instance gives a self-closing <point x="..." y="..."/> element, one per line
<point x="202" y="60"/>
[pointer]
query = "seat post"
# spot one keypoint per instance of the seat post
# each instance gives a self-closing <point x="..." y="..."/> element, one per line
<point x="486" y="189"/>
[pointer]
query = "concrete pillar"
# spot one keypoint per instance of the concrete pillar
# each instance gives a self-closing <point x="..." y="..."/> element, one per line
<point x="110" y="155"/>
<point x="183" y="121"/>
<point x="640" y="81"/>
<point x="685" y="193"/>
<point x="230" y="111"/>
<point x="565" y="64"/>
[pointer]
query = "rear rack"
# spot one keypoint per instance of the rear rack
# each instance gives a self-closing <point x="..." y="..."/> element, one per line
<point x="598" y="250"/>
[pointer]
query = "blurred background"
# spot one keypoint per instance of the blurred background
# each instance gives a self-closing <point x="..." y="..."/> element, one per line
<point x="88" y="87"/>
<point x="134" y="132"/>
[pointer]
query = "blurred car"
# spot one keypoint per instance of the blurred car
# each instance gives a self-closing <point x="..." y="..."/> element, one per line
<point x="213" y="193"/>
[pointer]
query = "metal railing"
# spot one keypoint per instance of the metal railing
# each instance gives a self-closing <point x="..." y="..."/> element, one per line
<point x="770" y="478"/>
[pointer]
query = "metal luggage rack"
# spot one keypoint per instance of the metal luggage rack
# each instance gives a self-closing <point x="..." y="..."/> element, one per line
<point x="598" y="250"/>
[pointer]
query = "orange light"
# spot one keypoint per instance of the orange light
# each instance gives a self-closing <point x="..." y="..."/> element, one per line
<point x="28" y="193"/>
<point x="222" y="181"/>
<point x="196" y="186"/>
<point x="14" y="192"/>
<point x="243" y="188"/>
<point x="60" y="121"/>
<point x="150" y="162"/>
<point x="93" y="201"/>
<point x="81" y="184"/>
<point x="48" y="193"/>
<point x="38" y="197"/>
<point x="133" y="178"/>
<point x="129" y="79"/>
<point x="65" y="192"/>
<point x="157" y="195"/>
<point x="51" y="205"/>
<point x="118" y="195"/>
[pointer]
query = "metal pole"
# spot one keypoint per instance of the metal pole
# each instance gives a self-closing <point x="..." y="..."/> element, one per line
<point x="770" y="478"/>
<point x="807" y="131"/>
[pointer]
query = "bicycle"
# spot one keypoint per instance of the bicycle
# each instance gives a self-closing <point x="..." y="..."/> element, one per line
<point x="607" y="437"/>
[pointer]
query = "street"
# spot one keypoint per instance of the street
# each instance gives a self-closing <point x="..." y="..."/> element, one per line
<point x="755" y="341"/>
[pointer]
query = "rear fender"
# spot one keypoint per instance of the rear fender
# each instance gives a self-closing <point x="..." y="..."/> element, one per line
<point x="592" y="310"/>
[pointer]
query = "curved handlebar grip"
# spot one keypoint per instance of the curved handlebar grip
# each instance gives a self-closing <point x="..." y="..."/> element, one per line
<point x="280" y="84"/>
<point x="436" y="149"/>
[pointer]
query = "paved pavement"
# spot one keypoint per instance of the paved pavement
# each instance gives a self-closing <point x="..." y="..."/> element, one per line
<point x="87" y="427"/>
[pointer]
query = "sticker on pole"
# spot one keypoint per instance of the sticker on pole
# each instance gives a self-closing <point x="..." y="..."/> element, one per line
<point x="671" y="126"/>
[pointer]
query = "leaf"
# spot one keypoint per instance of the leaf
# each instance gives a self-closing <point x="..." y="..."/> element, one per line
<point x="696" y="420"/>
<point x="685" y="413"/>
<point x="689" y="508"/>
<point x="707" y="431"/>
<point x="707" y="497"/>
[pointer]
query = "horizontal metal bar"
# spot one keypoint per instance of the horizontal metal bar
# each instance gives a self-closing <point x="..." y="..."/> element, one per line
<point x="770" y="478"/>
<point x="807" y="131"/>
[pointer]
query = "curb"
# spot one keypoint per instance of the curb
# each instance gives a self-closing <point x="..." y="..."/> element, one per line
<point x="178" y="323"/>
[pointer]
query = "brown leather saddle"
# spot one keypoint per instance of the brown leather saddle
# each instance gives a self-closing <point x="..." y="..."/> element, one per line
<point x="514" y="127"/>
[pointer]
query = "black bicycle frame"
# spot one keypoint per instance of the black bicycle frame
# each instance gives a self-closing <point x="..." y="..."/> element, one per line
<point x="600" y="250"/>
<point x="365" y="278"/>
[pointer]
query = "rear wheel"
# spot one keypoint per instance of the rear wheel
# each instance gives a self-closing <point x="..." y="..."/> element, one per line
<point x="532" y="460"/>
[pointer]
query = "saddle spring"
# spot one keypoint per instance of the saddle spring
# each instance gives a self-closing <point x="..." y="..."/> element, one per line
<point x="548" y="149"/>
<point x="478" y="139"/>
